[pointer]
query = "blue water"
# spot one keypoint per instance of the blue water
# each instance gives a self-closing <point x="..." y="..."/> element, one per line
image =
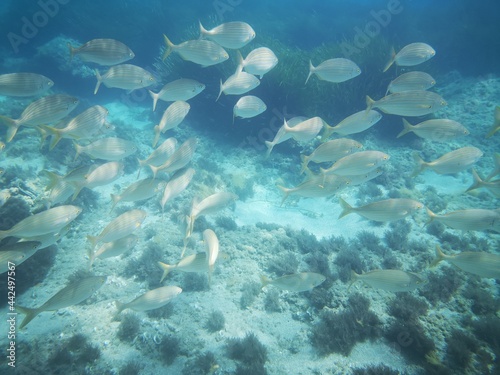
<point x="465" y="36"/>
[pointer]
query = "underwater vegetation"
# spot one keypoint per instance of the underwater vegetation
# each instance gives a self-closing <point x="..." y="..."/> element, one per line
<point x="250" y="352"/>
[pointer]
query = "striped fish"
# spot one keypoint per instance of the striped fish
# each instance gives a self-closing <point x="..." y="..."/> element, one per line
<point x="411" y="55"/>
<point x="103" y="52"/>
<point x="384" y="210"/>
<point x="248" y="106"/>
<point x="102" y="175"/>
<point x="389" y="280"/>
<point x="411" y="81"/>
<point x="48" y="221"/>
<point x="211" y="249"/>
<point x="180" y="89"/>
<point x="125" y="76"/>
<point x="139" y="190"/>
<point x="113" y="248"/>
<point x="282" y="135"/>
<point x="355" y="123"/>
<point x="46" y="110"/>
<point x="238" y="84"/>
<point x="330" y="151"/>
<point x="160" y="155"/>
<point x="83" y="126"/>
<point x="451" y="162"/>
<point x="72" y="294"/>
<point x="17" y="253"/>
<point x="438" y="130"/>
<point x="172" y="117"/>
<point x="297" y="282"/>
<point x="179" y="159"/>
<point x="408" y="103"/>
<point x="258" y="62"/>
<point x="176" y="185"/>
<point x="192" y="263"/>
<point x="232" y="35"/>
<point x="334" y="70"/>
<point x="306" y="130"/>
<point x="358" y="163"/>
<point x="202" y="52"/>
<point x="107" y="149"/>
<point x="120" y="227"/>
<point x="24" y="84"/>
<point x="496" y="123"/>
<point x="492" y="186"/>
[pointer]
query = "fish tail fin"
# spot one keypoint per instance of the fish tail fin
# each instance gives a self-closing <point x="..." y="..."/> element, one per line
<point x="78" y="150"/>
<point x="91" y="254"/>
<point x="439" y="256"/>
<point x="54" y="179"/>
<point x="305" y="161"/>
<point x="154" y="169"/>
<point x="431" y="215"/>
<point x="55" y="133"/>
<point x="391" y="61"/>
<point x="12" y="126"/>
<point x="30" y="314"/>
<point x="72" y="51"/>
<point x="264" y="280"/>
<point x="99" y="81"/>
<point x="477" y="183"/>
<point x="3" y="234"/>
<point x="166" y="269"/>
<point x="203" y="31"/>
<point x="354" y="278"/>
<point x="220" y="90"/>
<point x="142" y="163"/>
<point x="93" y="241"/>
<point x="119" y="307"/>
<point x="346" y="208"/>
<point x="115" y="198"/>
<point x="155" y="98"/>
<point x="496" y="123"/>
<point x="407" y="128"/>
<point x="269" y="146"/>
<point x="170" y="46"/>
<point x="329" y="130"/>
<point x="239" y="68"/>
<point x="496" y="170"/>
<point x="369" y="104"/>
<point x="285" y="192"/>
<point x="311" y="71"/>
<point x="420" y="164"/>
<point x="157" y="135"/>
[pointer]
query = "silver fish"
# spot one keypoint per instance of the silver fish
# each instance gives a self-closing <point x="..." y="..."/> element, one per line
<point x="492" y="186"/>
<point x="179" y="159"/>
<point x="438" y="130"/>
<point x="103" y="52"/>
<point x="202" y="52"/>
<point x="495" y="171"/>
<point x="330" y="151"/>
<point x="107" y="149"/>
<point x="172" y="117"/>
<point x="358" y="163"/>
<point x="384" y="210"/>
<point x="306" y="130"/>
<point x="48" y="221"/>
<point x="120" y="227"/>
<point x="258" y="62"/>
<point x="470" y="219"/>
<point x="282" y="135"/>
<point x="212" y="250"/>
<point x="43" y="111"/>
<point x="355" y="123"/>
<point x="139" y="190"/>
<point x="411" y="55"/>
<point x="160" y="155"/>
<point x="232" y="35"/>
<point x="496" y="123"/>
<point x="451" y="162"/>
<point x="390" y="280"/>
<point x="248" y="106"/>
<point x="191" y="263"/>
<point x="408" y="103"/>
<point x="177" y="184"/>
<point x="237" y="84"/>
<point x="180" y="89"/>
<point x="17" y="253"/>
<point x="72" y="294"/>
<point x="411" y="81"/>
<point x="478" y="262"/>
<point x="334" y="70"/>
<point x="102" y="175"/>
<point x="151" y="300"/>
<point x="24" y="84"/>
<point x="113" y="248"/>
<point x="125" y="76"/>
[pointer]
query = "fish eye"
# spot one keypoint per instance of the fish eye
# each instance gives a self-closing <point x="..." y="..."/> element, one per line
<point x="151" y="78"/>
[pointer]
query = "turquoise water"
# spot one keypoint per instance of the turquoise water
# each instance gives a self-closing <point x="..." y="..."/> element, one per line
<point x="447" y="324"/>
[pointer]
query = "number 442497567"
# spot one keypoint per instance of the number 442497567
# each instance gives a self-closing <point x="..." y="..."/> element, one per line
<point x="11" y="285"/>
